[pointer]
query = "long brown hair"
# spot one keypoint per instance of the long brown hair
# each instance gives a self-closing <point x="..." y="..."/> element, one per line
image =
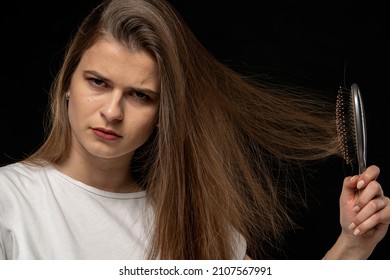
<point x="215" y="162"/>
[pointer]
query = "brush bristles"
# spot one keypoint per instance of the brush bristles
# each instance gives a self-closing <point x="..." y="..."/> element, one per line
<point x="345" y="125"/>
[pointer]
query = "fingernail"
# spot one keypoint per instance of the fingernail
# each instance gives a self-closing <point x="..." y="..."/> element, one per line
<point x="356" y="232"/>
<point x="356" y="209"/>
<point x="360" y="184"/>
<point x="353" y="177"/>
<point x="352" y="226"/>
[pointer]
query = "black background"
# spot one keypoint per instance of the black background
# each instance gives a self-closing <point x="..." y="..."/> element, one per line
<point x="320" y="44"/>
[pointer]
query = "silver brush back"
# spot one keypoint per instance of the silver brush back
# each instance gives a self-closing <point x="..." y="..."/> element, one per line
<point x="351" y="126"/>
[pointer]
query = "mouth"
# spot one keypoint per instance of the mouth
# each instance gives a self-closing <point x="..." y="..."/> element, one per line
<point x="106" y="134"/>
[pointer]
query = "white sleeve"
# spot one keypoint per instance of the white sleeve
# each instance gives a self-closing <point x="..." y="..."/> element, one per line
<point x="239" y="246"/>
<point x="2" y="248"/>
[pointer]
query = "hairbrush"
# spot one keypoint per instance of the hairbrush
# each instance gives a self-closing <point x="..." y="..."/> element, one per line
<point x="351" y="126"/>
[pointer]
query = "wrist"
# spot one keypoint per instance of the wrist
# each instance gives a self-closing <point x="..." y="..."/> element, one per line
<point x="346" y="248"/>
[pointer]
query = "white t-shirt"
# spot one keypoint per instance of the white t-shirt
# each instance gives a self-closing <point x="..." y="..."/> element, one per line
<point x="45" y="214"/>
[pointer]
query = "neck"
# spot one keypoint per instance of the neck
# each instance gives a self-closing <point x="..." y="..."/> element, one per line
<point x="111" y="175"/>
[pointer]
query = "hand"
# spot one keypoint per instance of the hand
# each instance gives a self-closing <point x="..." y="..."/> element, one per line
<point x="364" y="212"/>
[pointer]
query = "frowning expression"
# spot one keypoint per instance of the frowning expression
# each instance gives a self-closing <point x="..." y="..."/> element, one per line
<point x="114" y="97"/>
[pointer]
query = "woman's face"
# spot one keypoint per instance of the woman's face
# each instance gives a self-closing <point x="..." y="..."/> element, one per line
<point x="113" y="101"/>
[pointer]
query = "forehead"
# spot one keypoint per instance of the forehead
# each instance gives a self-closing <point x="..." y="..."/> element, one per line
<point x="112" y="60"/>
<point x="108" y="48"/>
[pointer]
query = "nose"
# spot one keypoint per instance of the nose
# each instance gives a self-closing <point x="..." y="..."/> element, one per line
<point x="112" y="109"/>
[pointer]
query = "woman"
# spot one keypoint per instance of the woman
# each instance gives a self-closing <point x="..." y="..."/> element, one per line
<point x="157" y="150"/>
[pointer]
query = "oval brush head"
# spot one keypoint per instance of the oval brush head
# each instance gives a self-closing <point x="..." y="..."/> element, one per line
<point x="351" y="127"/>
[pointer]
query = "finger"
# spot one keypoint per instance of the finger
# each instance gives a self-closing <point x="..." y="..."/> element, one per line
<point x="370" y="209"/>
<point x="370" y="174"/>
<point x="371" y="191"/>
<point x="369" y="227"/>
<point x="375" y="230"/>
<point x="365" y="222"/>
<point x="349" y="184"/>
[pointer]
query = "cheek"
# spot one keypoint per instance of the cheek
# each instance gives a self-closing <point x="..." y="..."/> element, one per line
<point x="78" y="110"/>
<point x="72" y="114"/>
<point x="145" y="125"/>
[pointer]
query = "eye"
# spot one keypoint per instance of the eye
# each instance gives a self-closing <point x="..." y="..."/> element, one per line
<point x="140" y="95"/>
<point x="96" y="82"/>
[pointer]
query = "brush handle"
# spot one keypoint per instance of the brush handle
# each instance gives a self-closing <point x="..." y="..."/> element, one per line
<point x="360" y="127"/>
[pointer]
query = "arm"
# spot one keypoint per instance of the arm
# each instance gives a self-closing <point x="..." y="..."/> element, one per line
<point x="364" y="216"/>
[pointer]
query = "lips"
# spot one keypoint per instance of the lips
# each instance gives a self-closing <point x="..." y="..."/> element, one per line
<point x="106" y="134"/>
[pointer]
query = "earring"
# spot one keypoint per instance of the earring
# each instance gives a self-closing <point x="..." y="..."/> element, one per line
<point x="67" y="95"/>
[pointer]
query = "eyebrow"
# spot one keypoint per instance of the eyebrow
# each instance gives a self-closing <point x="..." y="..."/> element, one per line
<point x="106" y="80"/>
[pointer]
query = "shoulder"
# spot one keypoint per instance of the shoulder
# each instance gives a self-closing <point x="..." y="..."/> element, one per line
<point x="18" y="172"/>
<point x="20" y="179"/>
